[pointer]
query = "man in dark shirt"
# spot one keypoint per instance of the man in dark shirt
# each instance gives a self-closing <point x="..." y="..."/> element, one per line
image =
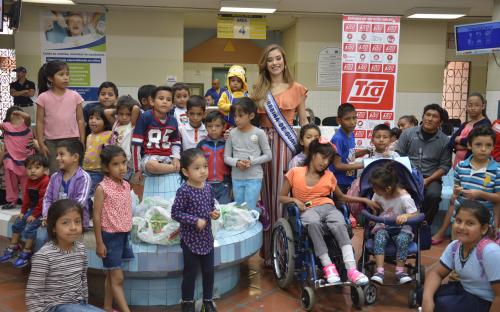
<point x="215" y="91"/>
<point x="22" y="90"/>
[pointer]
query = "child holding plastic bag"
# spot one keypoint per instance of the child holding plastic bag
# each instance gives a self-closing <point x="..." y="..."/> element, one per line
<point x="193" y="208"/>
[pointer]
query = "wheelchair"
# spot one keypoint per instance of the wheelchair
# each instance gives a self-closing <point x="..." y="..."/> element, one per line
<point x="293" y="257"/>
<point x="411" y="180"/>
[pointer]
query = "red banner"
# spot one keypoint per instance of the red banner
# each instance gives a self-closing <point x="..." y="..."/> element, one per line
<point x="370" y="46"/>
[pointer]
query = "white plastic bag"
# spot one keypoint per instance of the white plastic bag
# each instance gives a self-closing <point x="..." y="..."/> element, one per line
<point x="239" y="219"/>
<point x="158" y="228"/>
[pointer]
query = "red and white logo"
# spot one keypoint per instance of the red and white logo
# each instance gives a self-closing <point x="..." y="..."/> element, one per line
<point x="363" y="47"/>
<point x="361" y="114"/>
<point x="378" y="28"/>
<point x="377" y="48"/>
<point x="374" y="115"/>
<point x="391" y="29"/>
<point x="389" y="68"/>
<point x="390" y="48"/>
<point x="362" y="67"/>
<point x="376" y="57"/>
<point x="349" y="27"/>
<point x="368" y="90"/>
<point x="364" y="27"/>
<point x="360" y="134"/>
<point x="375" y="68"/>
<point x="348" y="66"/>
<point x="369" y="134"/>
<point x="389" y="57"/>
<point x="349" y="36"/>
<point x="363" y="37"/>
<point x="391" y="38"/>
<point x="387" y="116"/>
<point x="349" y="47"/>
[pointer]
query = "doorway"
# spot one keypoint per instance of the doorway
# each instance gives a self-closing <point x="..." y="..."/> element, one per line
<point x="221" y="74"/>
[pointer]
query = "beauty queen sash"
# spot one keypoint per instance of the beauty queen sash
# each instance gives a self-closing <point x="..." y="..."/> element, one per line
<point x="279" y="122"/>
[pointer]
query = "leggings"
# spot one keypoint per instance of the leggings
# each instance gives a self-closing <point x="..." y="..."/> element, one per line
<point x="402" y="240"/>
<point x="191" y="264"/>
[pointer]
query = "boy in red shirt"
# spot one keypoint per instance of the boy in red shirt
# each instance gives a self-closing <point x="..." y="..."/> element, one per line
<point x="30" y="218"/>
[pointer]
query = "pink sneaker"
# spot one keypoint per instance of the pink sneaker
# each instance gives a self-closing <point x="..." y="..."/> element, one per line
<point x="357" y="277"/>
<point x="331" y="274"/>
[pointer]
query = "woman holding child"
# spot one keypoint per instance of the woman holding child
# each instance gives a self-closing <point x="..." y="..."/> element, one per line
<point x="279" y="99"/>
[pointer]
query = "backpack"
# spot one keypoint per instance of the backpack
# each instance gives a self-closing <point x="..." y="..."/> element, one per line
<point x="479" y="250"/>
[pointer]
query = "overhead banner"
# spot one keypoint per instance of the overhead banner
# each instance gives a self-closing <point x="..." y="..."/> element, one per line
<point x="241" y="28"/>
<point x="370" y="46"/>
<point x="77" y="38"/>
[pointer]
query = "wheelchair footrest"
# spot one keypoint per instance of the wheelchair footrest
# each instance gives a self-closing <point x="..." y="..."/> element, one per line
<point x="321" y="283"/>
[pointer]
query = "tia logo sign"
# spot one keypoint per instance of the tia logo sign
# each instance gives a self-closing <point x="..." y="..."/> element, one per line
<point x="373" y="91"/>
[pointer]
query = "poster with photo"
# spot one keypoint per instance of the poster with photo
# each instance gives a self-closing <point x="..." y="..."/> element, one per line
<point x="370" y="47"/>
<point x="79" y="39"/>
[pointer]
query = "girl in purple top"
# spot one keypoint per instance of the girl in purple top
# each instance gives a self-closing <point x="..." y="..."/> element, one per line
<point x="193" y="208"/>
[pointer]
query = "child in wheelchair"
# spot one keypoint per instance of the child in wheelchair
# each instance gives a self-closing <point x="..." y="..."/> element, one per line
<point x="397" y="203"/>
<point x="311" y="187"/>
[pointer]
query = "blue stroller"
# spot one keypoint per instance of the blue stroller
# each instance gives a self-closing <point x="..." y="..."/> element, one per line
<point x="412" y="182"/>
<point x="293" y="257"/>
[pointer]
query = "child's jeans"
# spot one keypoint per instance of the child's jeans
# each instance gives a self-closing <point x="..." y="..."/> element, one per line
<point x="75" y="307"/>
<point x="247" y="191"/>
<point x="221" y="191"/>
<point x="15" y="179"/>
<point x="453" y="297"/>
<point x="27" y="230"/>
<point x="191" y="264"/>
<point x="95" y="178"/>
<point x="401" y="240"/>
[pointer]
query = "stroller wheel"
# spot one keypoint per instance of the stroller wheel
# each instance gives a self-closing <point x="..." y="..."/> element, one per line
<point x="307" y="298"/>
<point x="412" y="298"/>
<point x="283" y="252"/>
<point x="357" y="296"/>
<point x="370" y="293"/>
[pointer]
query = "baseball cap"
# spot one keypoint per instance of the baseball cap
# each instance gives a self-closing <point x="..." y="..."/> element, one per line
<point x="20" y="69"/>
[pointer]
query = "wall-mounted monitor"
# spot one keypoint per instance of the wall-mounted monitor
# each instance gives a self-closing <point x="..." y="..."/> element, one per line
<point x="478" y="38"/>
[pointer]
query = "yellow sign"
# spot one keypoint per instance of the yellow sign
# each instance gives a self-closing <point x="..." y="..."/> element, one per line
<point x="241" y="28"/>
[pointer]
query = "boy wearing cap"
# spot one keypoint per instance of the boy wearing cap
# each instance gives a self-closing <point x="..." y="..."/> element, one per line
<point x="22" y="90"/>
<point x="237" y="88"/>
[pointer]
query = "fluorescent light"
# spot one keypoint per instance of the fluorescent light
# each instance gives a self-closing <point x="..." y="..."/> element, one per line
<point x="248" y="6"/>
<point x="247" y="10"/>
<point x="436" y="13"/>
<point x="51" y="1"/>
<point x="436" y="16"/>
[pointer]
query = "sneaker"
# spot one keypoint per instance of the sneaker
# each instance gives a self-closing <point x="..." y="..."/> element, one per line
<point x="331" y="274"/>
<point x="208" y="306"/>
<point x="378" y="278"/>
<point x="8" y="254"/>
<point x="403" y="278"/>
<point x="356" y="277"/>
<point x="9" y="206"/>
<point x="23" y="259"/>
<point x="187" y="306"/>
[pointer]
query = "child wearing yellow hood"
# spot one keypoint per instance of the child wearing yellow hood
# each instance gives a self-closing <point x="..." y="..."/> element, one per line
<point x="237" y="88"/>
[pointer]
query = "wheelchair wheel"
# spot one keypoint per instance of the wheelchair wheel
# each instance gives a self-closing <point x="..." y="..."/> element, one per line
<point x="370" y="292"/>
<point x="307" y="298"/>
<point x="283" y="249"/>
<point x="357" y="296"/>
<point x="412" y="298"/>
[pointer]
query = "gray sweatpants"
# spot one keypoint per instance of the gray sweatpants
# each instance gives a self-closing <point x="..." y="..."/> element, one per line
<point x="312" y="218"/>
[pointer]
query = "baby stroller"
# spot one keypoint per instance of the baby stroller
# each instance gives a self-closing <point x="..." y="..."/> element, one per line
<point x="412" y="182"/>
<point x="293" y="256"/>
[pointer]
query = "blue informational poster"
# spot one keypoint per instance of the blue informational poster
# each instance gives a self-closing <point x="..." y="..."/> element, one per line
<point x="79" y="39"/>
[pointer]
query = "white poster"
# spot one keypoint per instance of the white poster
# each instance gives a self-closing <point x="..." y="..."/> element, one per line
<point x="77" y="38"/>
<point x="329" y="67"/>
<point x="370" y="46"/>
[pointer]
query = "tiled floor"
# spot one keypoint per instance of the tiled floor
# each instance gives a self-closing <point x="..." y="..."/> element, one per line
<point x="257" y="290"/>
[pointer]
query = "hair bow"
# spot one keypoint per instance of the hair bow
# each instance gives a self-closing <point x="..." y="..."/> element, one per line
<point x="323" y="140"/>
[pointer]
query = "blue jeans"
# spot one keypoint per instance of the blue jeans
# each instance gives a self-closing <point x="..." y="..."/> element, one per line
<point x="247" y="191"/>
<point x="95" y="178"/>
<point x="27" y="230"/>
<point x="221" y="192"/>
<point x="75" y="307"/>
